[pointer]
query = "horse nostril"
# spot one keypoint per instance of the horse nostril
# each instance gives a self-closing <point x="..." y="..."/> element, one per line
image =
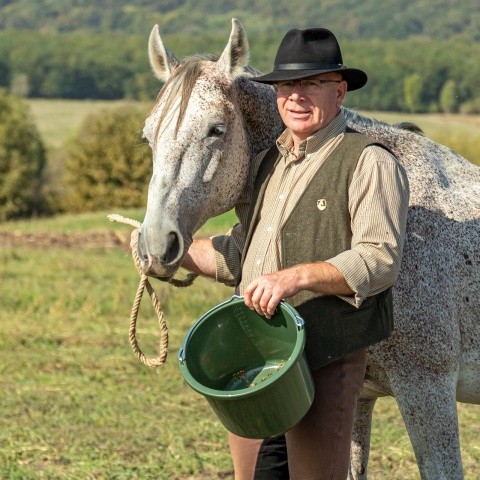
<point x="141" y="250"/>
<point x="172" y="249"/>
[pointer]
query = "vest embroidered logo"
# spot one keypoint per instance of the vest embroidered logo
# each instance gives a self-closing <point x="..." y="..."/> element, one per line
<point x="321" y="204"/>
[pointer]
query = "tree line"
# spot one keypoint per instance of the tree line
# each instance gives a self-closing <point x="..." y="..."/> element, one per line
<point x="356" y="20"/>
<point x="409" y="75"/>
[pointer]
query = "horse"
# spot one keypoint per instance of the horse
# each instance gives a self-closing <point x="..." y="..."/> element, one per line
<point x="207" y="123"/>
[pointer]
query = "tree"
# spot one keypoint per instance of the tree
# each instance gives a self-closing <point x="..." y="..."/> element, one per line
<point x="107" y="164"/>
<point x="412" y="89"/>
<point x="448" y="97"/>
<point x="4" y="74"/>
<point x="22" y="159"/>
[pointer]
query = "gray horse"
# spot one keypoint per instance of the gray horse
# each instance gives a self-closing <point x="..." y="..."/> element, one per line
<point x="207" y="123"/>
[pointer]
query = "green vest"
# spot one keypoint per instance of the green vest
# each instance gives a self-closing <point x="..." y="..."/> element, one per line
<point x="317" y="229"/>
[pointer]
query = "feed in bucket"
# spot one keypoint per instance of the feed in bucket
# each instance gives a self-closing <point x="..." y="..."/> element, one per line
<point x="253" y="371"/>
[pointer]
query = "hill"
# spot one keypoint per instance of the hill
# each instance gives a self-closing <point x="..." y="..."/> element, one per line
<point x="354" y="19"/>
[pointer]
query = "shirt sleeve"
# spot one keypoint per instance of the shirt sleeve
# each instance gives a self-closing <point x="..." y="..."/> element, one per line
<point x="378" y="204"/>
<point x="228" y="254"/>
<point x="229" y="247"/>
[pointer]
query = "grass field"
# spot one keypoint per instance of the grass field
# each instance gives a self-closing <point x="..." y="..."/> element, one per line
<point x="76" y="403"/>
<point x="57" y="120"/>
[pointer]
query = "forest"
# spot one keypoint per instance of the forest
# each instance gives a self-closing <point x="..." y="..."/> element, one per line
<point x="421" y="55"/>
<point x="355" y="19"/>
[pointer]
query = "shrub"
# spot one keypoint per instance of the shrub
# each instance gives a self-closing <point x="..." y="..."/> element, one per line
<point x="22" y="159"/>
<point x="107" y="164"/>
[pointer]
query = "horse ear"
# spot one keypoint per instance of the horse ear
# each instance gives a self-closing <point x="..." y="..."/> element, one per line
<point x="162" y="60"/>
<point x="235" y="56"/>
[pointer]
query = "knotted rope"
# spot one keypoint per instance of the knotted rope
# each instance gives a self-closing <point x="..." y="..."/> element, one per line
<point x="145" y="283"/>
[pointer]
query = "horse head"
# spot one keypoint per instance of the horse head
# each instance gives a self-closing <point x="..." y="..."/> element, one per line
<point x="205" y="126"/>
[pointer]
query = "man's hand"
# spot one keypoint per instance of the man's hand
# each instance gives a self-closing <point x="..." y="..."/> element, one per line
<point x="266" y="291"/>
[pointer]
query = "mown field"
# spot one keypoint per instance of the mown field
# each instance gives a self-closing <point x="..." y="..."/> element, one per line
<point x="75" y="402"/>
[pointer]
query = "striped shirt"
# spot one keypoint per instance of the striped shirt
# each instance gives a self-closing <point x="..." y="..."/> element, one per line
<point x="378" y="201"/>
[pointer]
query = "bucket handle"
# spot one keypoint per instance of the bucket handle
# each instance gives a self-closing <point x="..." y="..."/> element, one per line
<point x="181" y="358"/>
<point x="299" y="322"/>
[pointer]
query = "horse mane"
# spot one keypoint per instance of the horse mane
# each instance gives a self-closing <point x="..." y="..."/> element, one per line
<point x="409" y="126"/>
<point x="181" y="83"/>
<point x="371" y="123"/>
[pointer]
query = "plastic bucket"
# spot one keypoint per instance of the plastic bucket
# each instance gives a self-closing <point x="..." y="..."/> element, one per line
<point x="252" y="370"/>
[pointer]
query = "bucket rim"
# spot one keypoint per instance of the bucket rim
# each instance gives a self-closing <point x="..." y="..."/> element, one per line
<point x="260" y="387"/>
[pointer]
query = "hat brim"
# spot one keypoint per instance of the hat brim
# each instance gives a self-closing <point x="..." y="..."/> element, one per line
<point x="354" y="77"/>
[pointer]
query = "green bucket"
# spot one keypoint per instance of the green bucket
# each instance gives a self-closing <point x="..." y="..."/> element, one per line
<point x="253" y="371"/>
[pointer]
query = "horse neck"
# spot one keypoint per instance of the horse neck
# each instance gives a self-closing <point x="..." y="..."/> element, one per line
<point x="262" y="121"/>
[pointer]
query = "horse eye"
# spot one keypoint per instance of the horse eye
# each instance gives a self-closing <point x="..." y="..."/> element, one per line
<point x="217" y="130"/>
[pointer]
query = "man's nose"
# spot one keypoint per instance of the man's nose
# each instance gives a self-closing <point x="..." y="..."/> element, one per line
<point x="297" y="90"/>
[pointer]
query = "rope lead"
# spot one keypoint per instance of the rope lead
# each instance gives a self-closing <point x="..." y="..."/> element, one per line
<point x="145" y="283"/>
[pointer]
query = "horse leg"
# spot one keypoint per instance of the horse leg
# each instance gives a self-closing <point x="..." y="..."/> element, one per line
<point x="361" y="438"/>
<point x="428" y="407"/>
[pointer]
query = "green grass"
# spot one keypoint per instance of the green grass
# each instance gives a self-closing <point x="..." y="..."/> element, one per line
<point x="76" y="403"/>
<point x="98" y="222"/>
<point x="71" y="223"/>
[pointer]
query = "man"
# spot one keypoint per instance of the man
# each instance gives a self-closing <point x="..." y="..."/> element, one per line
<point x="322" y="225"/>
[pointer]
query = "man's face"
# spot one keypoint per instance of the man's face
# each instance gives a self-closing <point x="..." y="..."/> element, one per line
<point x="306" y="113"/>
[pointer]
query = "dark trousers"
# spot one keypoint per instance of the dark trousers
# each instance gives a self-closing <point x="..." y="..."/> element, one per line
<point x="318" y="448"/>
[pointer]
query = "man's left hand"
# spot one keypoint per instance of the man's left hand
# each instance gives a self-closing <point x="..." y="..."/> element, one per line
<point x="266" y="291"/>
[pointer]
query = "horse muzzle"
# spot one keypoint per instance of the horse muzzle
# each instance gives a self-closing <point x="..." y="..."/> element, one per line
<point x="163" y="258"/>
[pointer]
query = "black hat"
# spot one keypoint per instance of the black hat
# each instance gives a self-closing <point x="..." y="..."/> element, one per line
<point x="304" y="53"/>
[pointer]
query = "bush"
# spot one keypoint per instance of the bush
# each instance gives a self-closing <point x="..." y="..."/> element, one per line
<point x="22" y="159"/>
<point x="108" y="164"/>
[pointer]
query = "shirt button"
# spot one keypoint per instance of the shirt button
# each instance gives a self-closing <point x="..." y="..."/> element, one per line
<point x="257" y="262"/>
<point x="281" y="196"/>
<point x="269" y="229"/>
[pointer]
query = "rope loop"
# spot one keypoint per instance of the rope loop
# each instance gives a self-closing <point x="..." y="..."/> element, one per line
<point x="145" y="283"/>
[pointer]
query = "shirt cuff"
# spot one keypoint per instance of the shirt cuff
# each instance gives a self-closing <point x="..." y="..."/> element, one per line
<point x="354" y="269"/>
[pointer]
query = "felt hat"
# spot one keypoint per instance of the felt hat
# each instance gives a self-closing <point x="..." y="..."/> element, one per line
<point x="305" y="53"/>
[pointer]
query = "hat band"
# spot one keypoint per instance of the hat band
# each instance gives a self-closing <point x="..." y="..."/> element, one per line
<point x="308" y="66"/>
